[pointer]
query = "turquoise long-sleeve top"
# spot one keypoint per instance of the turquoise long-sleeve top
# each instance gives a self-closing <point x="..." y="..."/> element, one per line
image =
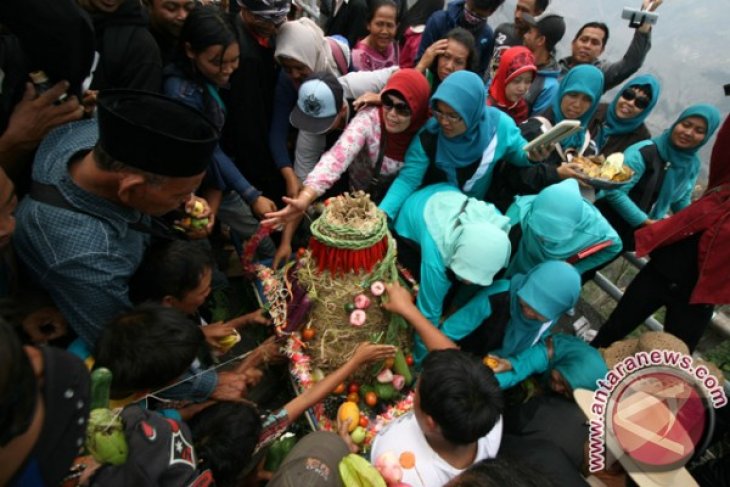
<point x="580" y="364"/>
<point x="448" y="242"/>
<point x="506" y="144"/>
<point x="679" y="180"/>
<point x="677" y="191"/>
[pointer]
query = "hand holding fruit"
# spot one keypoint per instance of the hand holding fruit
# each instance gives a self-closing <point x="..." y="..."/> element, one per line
<point x="200" y="220"/>
<point x="400" y="299"/>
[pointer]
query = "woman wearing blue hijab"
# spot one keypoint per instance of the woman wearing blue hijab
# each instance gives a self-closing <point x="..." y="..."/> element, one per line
<point x="559" y="224"/>
<point x="507" y="317"/>
<point x="578" y="97"/>
<point x="618" y="125"/>
<point x="506" y="325"/>
<point x="665" y="172"/>
<point x="459" y="145"/>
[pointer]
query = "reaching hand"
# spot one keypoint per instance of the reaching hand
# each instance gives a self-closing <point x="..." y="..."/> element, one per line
<point x="231" y="387"/>
<point x="283" y="252"/>
<point x="34" y="116"/>
<point x="540" y="153"/>
<point x="293" y="209"/>
<point x="215" y="332"/>
<point x="261" y="206"/>
<point x="400" y="299"/>
<point x="366" y="99"/>
<point x="368" y="352"/>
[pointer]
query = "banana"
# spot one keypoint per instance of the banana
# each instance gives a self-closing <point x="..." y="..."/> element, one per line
<point x="355" y="471"/>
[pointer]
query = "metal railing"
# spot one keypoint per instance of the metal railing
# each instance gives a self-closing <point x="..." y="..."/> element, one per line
<point x="720" y="322"/>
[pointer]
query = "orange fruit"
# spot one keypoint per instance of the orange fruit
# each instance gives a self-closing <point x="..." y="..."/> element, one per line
<point x="407" y="460"/>
<point x="308" y="334"/>
<point x="371" y="399"/>
<point x="349" y="410"/>
<point x="340" y="389"/>
<point x="353" y="397"/>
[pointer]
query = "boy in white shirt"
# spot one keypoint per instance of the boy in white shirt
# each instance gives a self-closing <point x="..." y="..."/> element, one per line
<point x="456" y="420"/>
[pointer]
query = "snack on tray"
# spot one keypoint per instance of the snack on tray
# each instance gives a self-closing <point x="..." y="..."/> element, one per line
<point x="610" y="169"/>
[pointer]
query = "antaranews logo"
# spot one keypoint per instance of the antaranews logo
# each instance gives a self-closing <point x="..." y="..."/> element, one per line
<point x="656" y="407"/>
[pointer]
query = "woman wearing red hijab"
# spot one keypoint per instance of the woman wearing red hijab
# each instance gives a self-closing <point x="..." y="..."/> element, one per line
<point x="511" y="81"/>
<point x="374" y="141"/>
<point x="690" y="256"/>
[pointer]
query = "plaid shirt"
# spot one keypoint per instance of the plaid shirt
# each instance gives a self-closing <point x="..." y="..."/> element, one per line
<point x="83" y="259"/>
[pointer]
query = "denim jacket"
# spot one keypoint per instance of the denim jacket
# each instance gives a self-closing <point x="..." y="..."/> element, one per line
<point x="222" y="173"/>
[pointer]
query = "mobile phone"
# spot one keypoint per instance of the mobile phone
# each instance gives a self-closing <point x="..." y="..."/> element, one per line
<point x="637" y="17"/>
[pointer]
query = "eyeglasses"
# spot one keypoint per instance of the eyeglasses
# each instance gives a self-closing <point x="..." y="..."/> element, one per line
<point x="401" y="109"/>
<point x="640" y="102"/>
<point x="449" y="117"/>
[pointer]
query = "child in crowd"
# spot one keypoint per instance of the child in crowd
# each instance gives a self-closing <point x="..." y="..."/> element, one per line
<point x="178" y="274"/>
<point x="227" y="434"/>
<point x="162" y="339"/>
<point x="456" y="420"/>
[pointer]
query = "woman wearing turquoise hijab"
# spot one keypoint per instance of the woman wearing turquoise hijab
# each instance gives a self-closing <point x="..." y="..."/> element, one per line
<point x="505" y="318"/>
<point x="620" y="124"/>
<point x="457" y="238"/>
<point x="558" y="224"/>
<point x="578" y="97"/>
<point x="508" y="324"/>
<point x="665" y="171"/>
<point x="573" y="364"/>
<point x="459" y="145"/>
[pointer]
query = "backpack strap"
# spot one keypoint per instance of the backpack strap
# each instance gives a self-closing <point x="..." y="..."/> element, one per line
<point x="658" y="168"/>
<point x="338" y="55"/>
<point x="50" y="195"/>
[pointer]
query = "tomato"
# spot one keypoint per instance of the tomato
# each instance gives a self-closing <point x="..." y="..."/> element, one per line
<point x="371" y="399"/>
<point x="300" y="252"/>
<point x="308" y="334"/>
<point x="354" y="387"/>
<point x="409" y="360"/>
<point x="340" y="389"/>
<point x="364" y="421"/>
<point x="353" y="397"/>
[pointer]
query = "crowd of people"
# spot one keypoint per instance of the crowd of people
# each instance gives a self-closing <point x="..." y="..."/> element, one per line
<point x="136" y="135"/>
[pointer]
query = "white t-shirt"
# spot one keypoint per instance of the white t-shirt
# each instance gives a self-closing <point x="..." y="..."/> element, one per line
<point x="431" y="470"/>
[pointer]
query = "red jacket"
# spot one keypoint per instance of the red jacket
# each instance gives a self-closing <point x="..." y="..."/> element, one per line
<point x="709" y="215"/>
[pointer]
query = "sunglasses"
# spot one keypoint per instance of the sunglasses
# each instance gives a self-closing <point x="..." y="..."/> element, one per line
<point x="640" y="102"/>
<point x="450" y="117"/>
<point x="400" y="108"/>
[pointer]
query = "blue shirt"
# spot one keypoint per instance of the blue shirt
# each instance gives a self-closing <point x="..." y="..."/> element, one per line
<point x="83" y="259"/>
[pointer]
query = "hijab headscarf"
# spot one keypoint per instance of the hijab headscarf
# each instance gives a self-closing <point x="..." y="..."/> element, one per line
<point x="685" y="164"/>
<point x="513" y="62"/>
<point x="412" y="86"/>
<point x="551" y="289"/>
<point x="471" y="235"/>
<point x="464" y="92"/>
<point x="710" y="216"/>
<point x="617" y="126"/>
<point x="556" y="224"/>
<point x="580" y="364"/>
<point x="586" y="79"/>
<point x="304" y="41"/>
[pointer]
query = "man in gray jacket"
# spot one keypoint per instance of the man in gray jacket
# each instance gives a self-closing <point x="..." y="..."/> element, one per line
<point x="590" y="42"/>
